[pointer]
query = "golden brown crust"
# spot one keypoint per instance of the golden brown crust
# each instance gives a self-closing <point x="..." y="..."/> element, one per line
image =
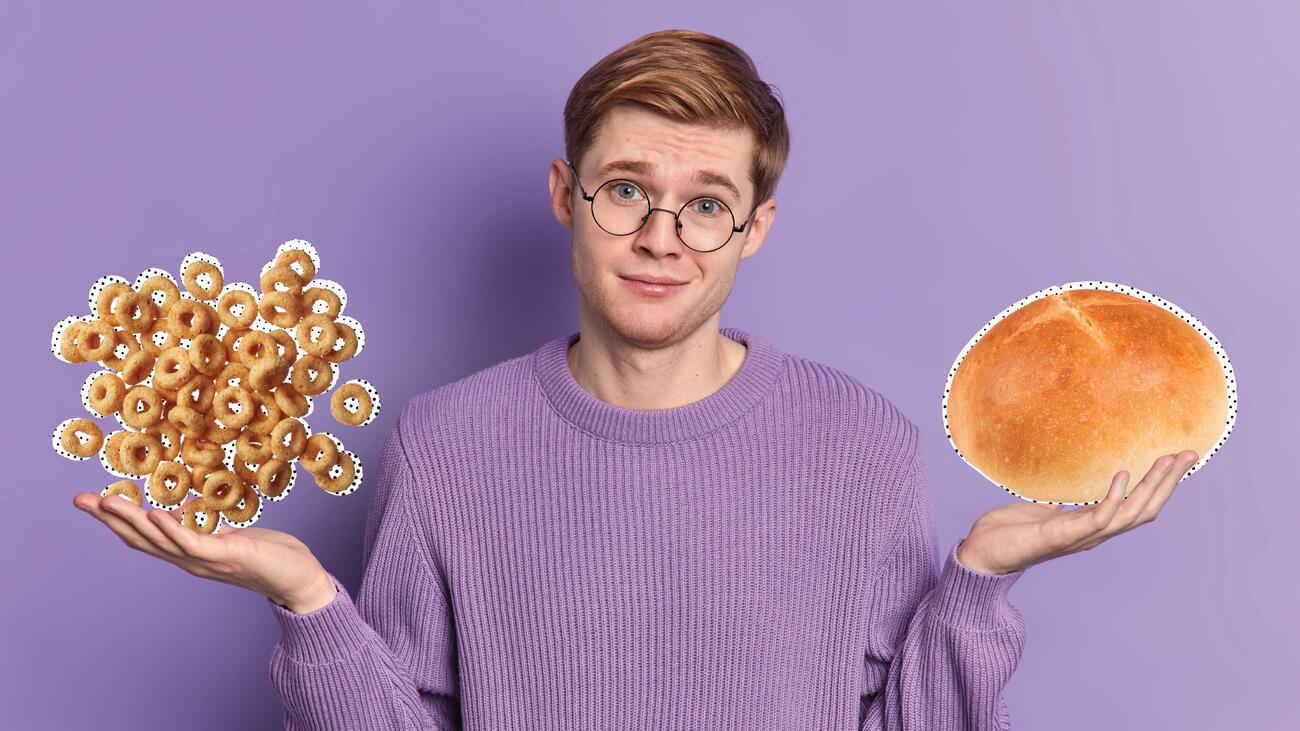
<point x="1071" y="388"/>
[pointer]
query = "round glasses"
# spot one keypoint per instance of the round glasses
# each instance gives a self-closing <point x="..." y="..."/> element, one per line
<point x="621" y="207"/>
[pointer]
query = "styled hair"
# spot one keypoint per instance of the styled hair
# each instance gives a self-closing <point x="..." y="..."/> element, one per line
<point x="689" y="77"/>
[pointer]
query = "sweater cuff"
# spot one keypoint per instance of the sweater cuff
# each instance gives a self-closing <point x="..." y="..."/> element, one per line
<point x="334" y="632"/>
<point x="969" y="599"/>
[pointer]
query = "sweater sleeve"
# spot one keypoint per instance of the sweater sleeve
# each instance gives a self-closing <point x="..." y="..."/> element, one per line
<point x="941" y="646"/>
<point x="387" y="661"/>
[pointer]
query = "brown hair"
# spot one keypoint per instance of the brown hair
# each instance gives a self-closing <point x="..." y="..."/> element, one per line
<point x="689" y="77"/>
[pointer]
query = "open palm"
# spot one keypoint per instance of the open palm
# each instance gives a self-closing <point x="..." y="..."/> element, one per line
<point x="1017" y="535"/>
<point x="270" y="562"/>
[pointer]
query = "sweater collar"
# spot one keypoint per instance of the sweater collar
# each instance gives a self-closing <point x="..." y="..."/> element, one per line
<point x="763" y="362"/>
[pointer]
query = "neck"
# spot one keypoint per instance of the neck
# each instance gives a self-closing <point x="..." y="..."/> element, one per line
<point x="634" y="376"/>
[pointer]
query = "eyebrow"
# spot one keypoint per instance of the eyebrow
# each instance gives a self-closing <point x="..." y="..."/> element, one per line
<point x="705" y="177"/>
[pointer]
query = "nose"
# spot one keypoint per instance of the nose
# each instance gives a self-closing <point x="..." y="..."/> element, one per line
<point x="660" y="236"/>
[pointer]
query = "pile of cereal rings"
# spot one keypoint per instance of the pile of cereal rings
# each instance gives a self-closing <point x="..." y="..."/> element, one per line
<point x="211" y="385"/>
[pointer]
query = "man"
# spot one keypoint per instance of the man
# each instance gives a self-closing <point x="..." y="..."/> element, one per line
<point x="654" y="522"/>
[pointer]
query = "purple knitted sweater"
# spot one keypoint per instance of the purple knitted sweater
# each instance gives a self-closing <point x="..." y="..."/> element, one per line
<point x="763" y="558"/>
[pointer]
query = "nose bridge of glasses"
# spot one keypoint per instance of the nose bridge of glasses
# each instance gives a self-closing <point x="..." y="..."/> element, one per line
<point x="676" y="218"/>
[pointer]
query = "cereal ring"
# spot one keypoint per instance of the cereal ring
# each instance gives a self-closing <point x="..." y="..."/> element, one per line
<point x="140" y="453"/>
<point x="223" y="489"/>
<point x="73" y="445"/>
<point x="349" y="347"/>
<point x="304" y="382"/>
<point x="289" y="257"/>
<point x="326" y="339"/>
<point x="267" y="374"/>
<point x="247" y="474"/>
<point x="273" y="477"/>
<point x="97" y="341"/>
<point x="218" y="433"/>
<point x="149" y="341"/>
<point x="124" y="339"/>
<point x="319" y="454"/>
<point x="137" y="366"/>
<point x="255" y="345"/>
<point x="72" y="333"/>
<point x="282" y="274"/>
<point x="207" y="354"/>
<point x="171" y="397"/>
<point x="135" y="312"/>
<point x="187" y="319"/>
<point x="265" y="413"/>
<point x="113" y="450"/>
<point x="159" y="283"/>
<point x="233" y="395"/>
<point x="232" y="374"/>
<point x="288" y="348"/>
<point x="288" y="438"/>
<point x="312" y="295"/>
<point x="340" y="483"/>
<point x="246" y="317"/>
<point x="188" y="421"/>
<point x="199" y="473"/>
<point x="127" y="489"/>
<point x="252" y="446"/>
<point x="200" y="451"/>
<point x="191" y="279"/>
<point x="282" y="309"/>
<point x="172" y="369"/>
<point x="290" y="401"/>
<point x="340" y="410"/>
<point x="189" y="517"/>
<point x="106" y="393"/>
<point x="232" y="341"/>
<point x="168" y="436"/>
<point x="141" y="408"/>
<point x="175" y="473"/>
<point x="214" y="321"/>
<point x="109" y="299"/>
<point x="197" y="393"/>
<point x="251" y="503"/>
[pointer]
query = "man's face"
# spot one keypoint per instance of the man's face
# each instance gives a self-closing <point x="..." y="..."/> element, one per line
<point x="602" y="261"/>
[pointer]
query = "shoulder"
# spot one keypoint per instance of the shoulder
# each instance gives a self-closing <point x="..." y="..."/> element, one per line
<point x="467" y="399"/>
<point x="868" y="417"/>
<point x="451" y="410"/>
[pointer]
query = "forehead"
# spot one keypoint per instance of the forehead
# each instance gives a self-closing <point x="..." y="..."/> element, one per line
<point x="673" y="149"/>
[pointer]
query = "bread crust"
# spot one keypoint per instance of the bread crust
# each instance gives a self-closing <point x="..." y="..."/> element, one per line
<point x="1071" y="388"/>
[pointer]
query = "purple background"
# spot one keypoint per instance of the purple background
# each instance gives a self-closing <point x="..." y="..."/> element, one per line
<point x="947" y="160"/>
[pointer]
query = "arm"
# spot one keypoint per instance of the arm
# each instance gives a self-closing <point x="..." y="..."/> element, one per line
<point x="387" y="661"/>
<point x="941" y="647"/>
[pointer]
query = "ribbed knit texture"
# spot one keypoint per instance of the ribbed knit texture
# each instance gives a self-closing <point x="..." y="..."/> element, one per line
<point x="762" y="558"/>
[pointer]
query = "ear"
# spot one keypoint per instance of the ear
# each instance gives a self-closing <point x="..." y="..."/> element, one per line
<point x="757" y="229"/>
<point x="562" y="192"/>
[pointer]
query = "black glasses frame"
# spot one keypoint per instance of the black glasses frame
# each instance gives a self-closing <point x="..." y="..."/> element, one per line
<point x="676" y="216"/>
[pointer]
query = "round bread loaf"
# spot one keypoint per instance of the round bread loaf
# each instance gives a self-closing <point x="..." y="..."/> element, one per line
<point x="1069" y="389"/>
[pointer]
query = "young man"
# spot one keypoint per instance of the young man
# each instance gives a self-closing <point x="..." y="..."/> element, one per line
<point x="652" y="522"/>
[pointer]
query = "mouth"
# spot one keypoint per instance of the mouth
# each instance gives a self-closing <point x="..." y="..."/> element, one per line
<point x="656" y="289"/>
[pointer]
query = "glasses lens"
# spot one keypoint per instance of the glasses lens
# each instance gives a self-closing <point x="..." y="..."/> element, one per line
<point x="619" y="207"/>
<point x="707" y="223"/>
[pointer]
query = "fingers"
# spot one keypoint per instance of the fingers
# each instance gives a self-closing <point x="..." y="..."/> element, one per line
<point x="190" y="543"/>
<point x="124" y="529"/>
<point x="138" y="518"/>
<point x="1161" y="494"/>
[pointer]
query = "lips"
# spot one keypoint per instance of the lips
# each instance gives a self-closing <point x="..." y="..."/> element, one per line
<point x="654" y="280"/>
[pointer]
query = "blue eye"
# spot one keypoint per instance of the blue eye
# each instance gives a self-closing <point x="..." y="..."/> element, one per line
<point x="709" y="207"/>
<point x="621" y="188"/>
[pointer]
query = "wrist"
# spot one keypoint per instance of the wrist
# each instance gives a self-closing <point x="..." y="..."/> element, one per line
<point x="320" y="594"/>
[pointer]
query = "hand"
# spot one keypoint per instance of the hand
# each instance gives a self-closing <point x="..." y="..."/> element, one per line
<point x="269" y="562"/>
<point x="1016" y="536"/>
